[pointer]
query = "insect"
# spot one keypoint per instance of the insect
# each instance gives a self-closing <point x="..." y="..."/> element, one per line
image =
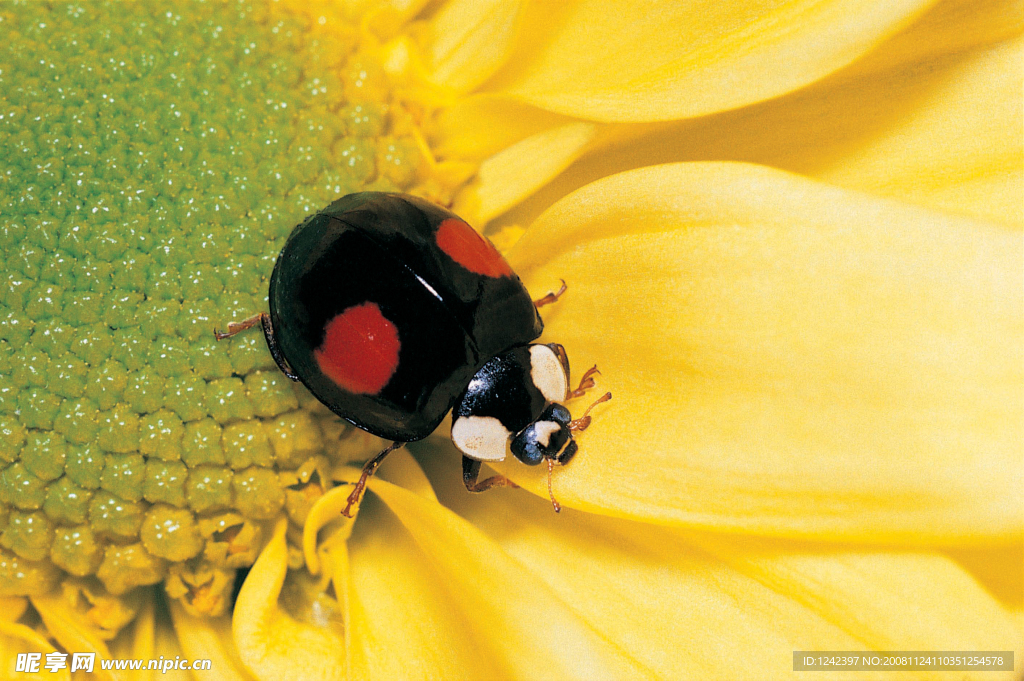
<point x="393" y="311"/>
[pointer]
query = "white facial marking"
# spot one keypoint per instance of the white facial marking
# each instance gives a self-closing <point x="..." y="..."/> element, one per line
<point x="547" y="373"/>
<point x="545" y="429"/>
<point x="481" y="437"/>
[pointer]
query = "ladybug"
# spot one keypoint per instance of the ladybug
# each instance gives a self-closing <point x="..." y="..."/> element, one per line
<point x="393" y="311"/>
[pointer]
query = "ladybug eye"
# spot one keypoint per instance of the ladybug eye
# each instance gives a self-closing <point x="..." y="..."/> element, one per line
<point x="567" y="453"/>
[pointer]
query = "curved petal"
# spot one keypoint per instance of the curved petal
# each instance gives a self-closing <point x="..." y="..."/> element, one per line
<point x="786" y="357"/>
<point x="403" y="622"/>
<point x="713" y="606"/>
<point x="402" y="469"/>
<point x="388" y="593"/>
<point x="514" y="173"/>
<point x="468" y="40"/>
<point x="399" y="468"/>
<point x="136" y="641"/>
<point x="208" y="638"/>
<point x="954" y="76"/>
<point x="531" y="635"/>
<point x="874" y="595"/>
<point x="12" y="607"/>
<point x="972" y="104"/>
<point x="165" y="644"/>
<point x="662" y="60"/>
<point x="326" y="511"/>
<point x="478" y="127"/>
<point x="331" y="557"/>
<point x="72" y="634"/>
<point x="386" y="17"/>
<point x="999" y="569"/>
<point x="271" y="644"/>
<point x="19" y="638"/>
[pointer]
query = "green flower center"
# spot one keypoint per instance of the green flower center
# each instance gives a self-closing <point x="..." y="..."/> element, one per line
<point x="157" y="155"/>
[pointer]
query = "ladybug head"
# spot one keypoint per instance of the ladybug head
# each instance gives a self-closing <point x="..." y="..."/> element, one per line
<point x="549" y="437"/>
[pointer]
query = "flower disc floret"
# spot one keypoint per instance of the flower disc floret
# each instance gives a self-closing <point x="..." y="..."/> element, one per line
<point x="159" y="160"/>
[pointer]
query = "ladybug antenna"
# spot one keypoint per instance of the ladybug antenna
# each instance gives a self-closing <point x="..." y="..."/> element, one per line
<point x="554" y="502"/>
<point x="583" y="422"/>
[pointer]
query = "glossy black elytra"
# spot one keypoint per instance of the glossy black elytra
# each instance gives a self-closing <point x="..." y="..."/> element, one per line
<point x="393" y="311"/>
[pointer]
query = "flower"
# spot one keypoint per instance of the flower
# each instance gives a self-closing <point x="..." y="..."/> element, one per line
<point x="808" y="310"/>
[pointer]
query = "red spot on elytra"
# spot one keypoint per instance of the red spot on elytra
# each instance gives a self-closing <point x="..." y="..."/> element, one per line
<point x="465" y="246"/>
<point x="360" y="349"/>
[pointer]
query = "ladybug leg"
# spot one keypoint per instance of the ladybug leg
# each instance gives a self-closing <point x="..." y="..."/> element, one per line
<point x="470" y="471"/>
<point x="551" y="297"/>
<point x="369" y="469"/>
<point x="583" y="422"/>
<point x="586" y="383"/>
<point x="238" y="327"/>
<point x="263" y="319"/>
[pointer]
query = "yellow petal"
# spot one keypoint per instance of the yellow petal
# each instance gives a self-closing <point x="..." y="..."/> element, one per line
<point x="272" y="644"/>
<point x="955" y="77"/>
<point x="1019" y="616"/>
<point x="64" y="624"/>
<point x="165" y="643"/>
<point x="690" y="605"/>
<point x="378" y="643"/>
<point x="208" y="638"/>
<point x="786" y="357"/>
<point x="402" y="470"/>
<point x="661" y="60"/>
<point x="12" y="607"/>
<point x="514" y="173"/>
<point x="891" y="601"/>
<point x="330" y="558"/>
<point x="386" y="17"/>
<point x="999" y="569"/>
<point x="143" y="627"/>
<point x="524" y="628"/>
<point x="477" y="127"/>
<point x="18" y="638"/>
<point x="136" y="641"/>
<point x="468" y="40"/>
<point x="973" y="106"/>
<point x="325" y="511"/>
<point x="399" y="468"/>
<point x="403" y="622"/>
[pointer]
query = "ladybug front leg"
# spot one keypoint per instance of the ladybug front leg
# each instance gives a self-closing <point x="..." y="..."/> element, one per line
<point x="263" y="319"/>
<point x="552" y="296"/>
<point x="470" y="472"/>
<point x="586" y="383"/>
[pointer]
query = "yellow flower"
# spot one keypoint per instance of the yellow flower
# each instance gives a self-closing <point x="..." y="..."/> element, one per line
<point x="792" y="241"/>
